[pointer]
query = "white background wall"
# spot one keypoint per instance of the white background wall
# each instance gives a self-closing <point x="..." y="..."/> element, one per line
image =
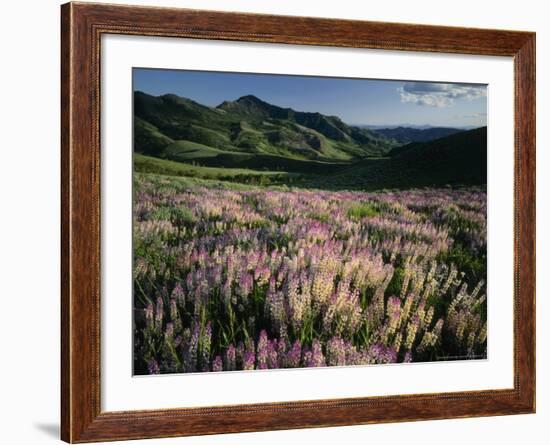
<point x="29" y="219"/>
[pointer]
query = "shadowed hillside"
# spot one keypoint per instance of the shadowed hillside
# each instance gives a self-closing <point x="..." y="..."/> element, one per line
<point x="459" y="159"/>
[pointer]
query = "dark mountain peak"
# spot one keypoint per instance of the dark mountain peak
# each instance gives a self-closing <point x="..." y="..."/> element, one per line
<point x="248" y="100"/>
<point x="171" y="96"/>
<point x="250" y="106"/>
<point x="251" y="98"/>
<point x="254" y="107"/>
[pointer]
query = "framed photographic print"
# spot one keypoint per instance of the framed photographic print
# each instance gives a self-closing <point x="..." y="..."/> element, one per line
<point x="278" y="222"/>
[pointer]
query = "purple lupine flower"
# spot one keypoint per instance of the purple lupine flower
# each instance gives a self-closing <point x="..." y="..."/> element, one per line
<point x="178" y="294"/>
<point x="217" y="274"/>
<point x="226" y="293"/>
<point x="272" y="356"/>
<point x="153" y="367"/>
<point x="169" y="331"/>
<point x="217" y="364"/>
<point x="412" y="329"/>
<point x="263" y="350"/>
<point x="190" y="363"/>
<point x="315" y="357"/>
<point x="149" y="315"/>
<point x="336" y="352"/>
<point x="205" y="343"/>
<point x="189" y="282"/>
<point x="394" y="308"/>
<point x="246" y="282"/>
<point x="380" y="353"/>
<point x="174" y="315"/>
<point x="249" y="359"/>
<point x="239" y="355"/>
<point x="159" y="313"/>
<point x="294" y="355"/>
<point x="281" y="353"/>
<point x="230" y="358"/>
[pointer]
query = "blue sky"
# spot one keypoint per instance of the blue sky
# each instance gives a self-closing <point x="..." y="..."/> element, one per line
<point x="355" y="101"/>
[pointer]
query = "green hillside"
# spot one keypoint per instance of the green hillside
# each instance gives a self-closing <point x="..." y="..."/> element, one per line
<point x="248" y="125"/>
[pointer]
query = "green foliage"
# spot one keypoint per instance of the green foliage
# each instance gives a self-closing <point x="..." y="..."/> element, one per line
<point x="474" y="266"/>
<point x="366" y="209"/>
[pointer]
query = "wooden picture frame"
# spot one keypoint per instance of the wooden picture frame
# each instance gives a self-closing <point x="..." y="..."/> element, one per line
<point x="83" y="24"/>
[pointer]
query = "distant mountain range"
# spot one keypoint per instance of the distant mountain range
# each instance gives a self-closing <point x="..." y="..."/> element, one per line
<point x="252" y="135"/>
<point x="405" y="135"/>
<point x="415" y="126"/>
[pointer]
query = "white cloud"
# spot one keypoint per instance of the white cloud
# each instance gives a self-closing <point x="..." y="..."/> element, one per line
<point x="439" y="94"/>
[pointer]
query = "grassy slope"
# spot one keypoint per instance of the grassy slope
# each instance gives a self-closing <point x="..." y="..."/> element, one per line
<point x="199" y="154"/>
<point x="147" y="164"/>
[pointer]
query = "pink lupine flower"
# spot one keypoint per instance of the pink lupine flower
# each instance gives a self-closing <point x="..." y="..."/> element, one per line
<point x="178" y="294"/>
<point x="149" y="315"/>
<point x="246" y="283"/>
<point x="382" y="354"/>
<point x="272" y="356"/>
<point x="190" y="360"/>
<point x="230" y="358"/>
<point x="263" y="351"/>
<point x="249" y="359"/>
<point x="315" y="357"/>
<point x="394" y="313"/>
<point x="281" y="353"/>
<point x="169" y="331"/>
<point x="336" y="352"/>
<point x="294" y="355"/>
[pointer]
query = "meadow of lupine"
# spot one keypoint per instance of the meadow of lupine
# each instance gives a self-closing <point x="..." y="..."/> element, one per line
<point x="233" y="277"/>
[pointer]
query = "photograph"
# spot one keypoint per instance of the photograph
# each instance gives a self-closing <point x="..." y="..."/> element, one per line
<point x="286" y="221"/>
